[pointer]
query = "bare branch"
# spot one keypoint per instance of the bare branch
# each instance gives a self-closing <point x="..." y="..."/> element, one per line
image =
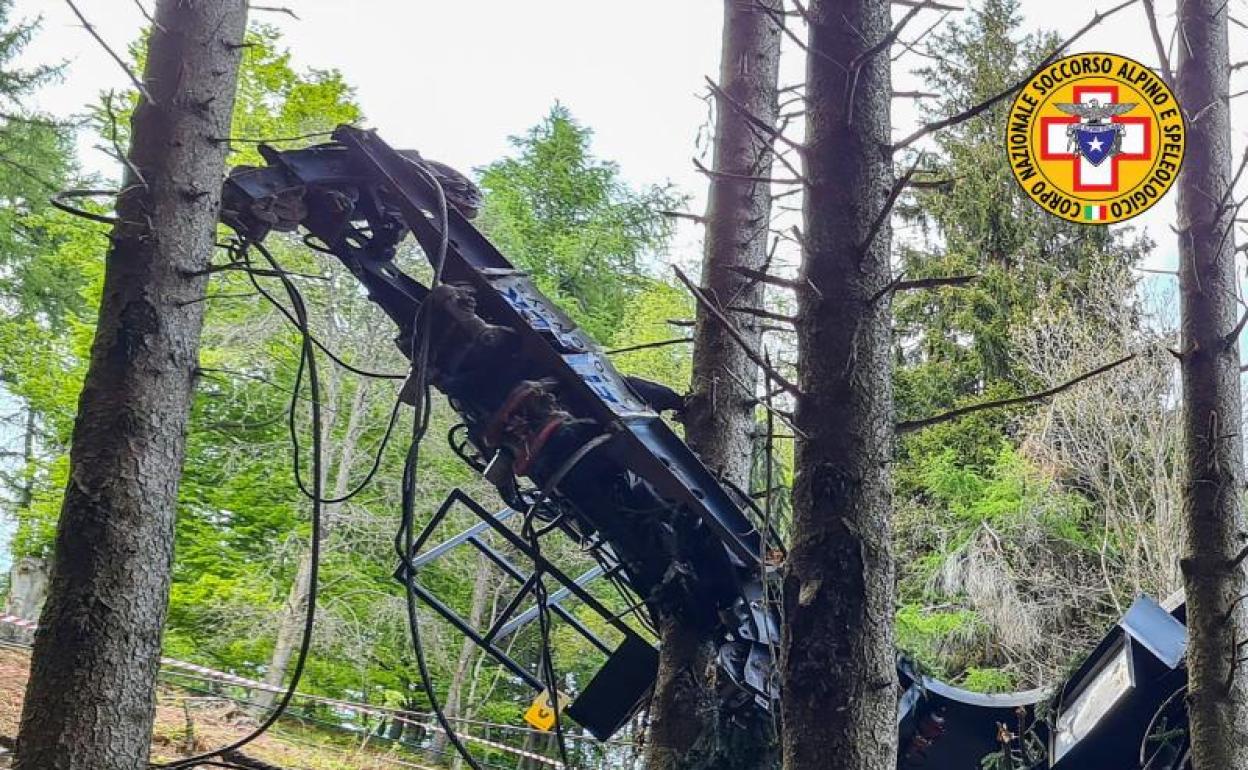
<point x="765" y="403"/>
<point x="750" y="117"/>
<point x="767" y="278"/>
<point x="1233" y="337"/>
<point x="147" y="15"/>
<point x="743" y="177"/>
<point x="928" y="4"/>
<point x="932" y="184"/>
<point x="935" y="282"/>
<point x="888" y="39"/>
<point x="274" y="9"/>
<point x="909" y="47"/>
<point x="270" y="139"/>
<point x="882" y="218"/>
<point x="962" y="411"/>
<point x="733" y="332"/>
<point x="120" y="61"/>
<point x="967" y="114"/>
<point x="760" y="313"/>
<point x="117" y="152"/>
<point x="684" y="215"/>
<point x="649" y="345"/>
<point x="1150" y="13"/>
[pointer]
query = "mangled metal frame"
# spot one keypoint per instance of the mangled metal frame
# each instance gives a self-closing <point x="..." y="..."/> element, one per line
<point x="609" y="469"/>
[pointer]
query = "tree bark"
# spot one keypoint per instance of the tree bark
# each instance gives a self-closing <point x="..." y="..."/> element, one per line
<point x="838" y="666"/>
<point x="1212" y="573"/>
<point x="719" y="417"/>
<point x="90" y="700"/>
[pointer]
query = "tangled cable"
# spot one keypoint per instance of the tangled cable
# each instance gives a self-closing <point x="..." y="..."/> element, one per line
<point x="307" y="361"/>
<point x="416" y="381"/>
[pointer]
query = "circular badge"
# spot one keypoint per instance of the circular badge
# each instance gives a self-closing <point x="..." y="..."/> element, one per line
<point x="1095" y="138"/>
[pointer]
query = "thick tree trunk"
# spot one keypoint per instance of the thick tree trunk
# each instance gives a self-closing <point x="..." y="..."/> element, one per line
<point x="719" y="418"/>
<point x="838" y="670"/>
<point x="90" y="698"/>
<point x="1215" y="527"/>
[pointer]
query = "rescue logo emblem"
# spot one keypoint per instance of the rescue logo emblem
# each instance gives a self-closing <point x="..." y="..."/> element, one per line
<point x="1095" y="138"/>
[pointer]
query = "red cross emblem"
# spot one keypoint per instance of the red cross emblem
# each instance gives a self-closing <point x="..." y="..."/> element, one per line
<point x="1137" y="142"/>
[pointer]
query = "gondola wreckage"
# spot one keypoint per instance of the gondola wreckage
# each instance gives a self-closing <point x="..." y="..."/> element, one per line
<point x="568" y="440"/>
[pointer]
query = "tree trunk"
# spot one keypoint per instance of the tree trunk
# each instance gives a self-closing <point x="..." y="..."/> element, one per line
<point x="26" y="492"/>
<point x="719" y="418"/>
<point x="90" y="698"/>
<point x="1212" y="574"/>
<point x="838" y="670"/>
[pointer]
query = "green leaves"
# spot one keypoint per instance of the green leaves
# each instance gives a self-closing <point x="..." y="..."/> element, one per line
<point x="567" y="217"/>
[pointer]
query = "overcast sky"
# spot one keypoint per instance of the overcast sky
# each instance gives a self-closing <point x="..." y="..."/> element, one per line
<point x="455" y="79"/>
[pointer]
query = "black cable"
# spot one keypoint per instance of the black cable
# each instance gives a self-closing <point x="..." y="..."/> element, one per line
<point x="316" y="340"/>
<point x="546" y="661"/>
<point x="307" y="359"/>
<point x="394" y="411"/>
<point x="405" y="537"/>
<point x="533" y="537"/>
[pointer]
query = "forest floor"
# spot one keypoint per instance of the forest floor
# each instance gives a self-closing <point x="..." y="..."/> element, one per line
<point x="188" y="724"/>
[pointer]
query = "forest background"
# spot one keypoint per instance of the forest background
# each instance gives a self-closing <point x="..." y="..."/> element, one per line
<point x="1021" y="535"/>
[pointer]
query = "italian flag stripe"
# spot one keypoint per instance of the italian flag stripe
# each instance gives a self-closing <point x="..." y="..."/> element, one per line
<point x="1094" y="213"/>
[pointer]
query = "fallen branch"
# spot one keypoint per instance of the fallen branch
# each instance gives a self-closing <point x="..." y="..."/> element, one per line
<point x="734" y="333"/>
<point x="235" y="757"/>
<point x="962" y="411"/>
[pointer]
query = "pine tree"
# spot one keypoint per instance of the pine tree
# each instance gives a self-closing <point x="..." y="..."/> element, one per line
<point x="1213" y="571"/>
<point x="688" y="728"/>
<point x="838" y="670"/>
<point x="90" y="699"/>
<point x="958" y="345"/>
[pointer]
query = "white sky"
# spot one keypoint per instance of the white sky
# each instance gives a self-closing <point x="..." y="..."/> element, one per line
<point x="454" y="79"/>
